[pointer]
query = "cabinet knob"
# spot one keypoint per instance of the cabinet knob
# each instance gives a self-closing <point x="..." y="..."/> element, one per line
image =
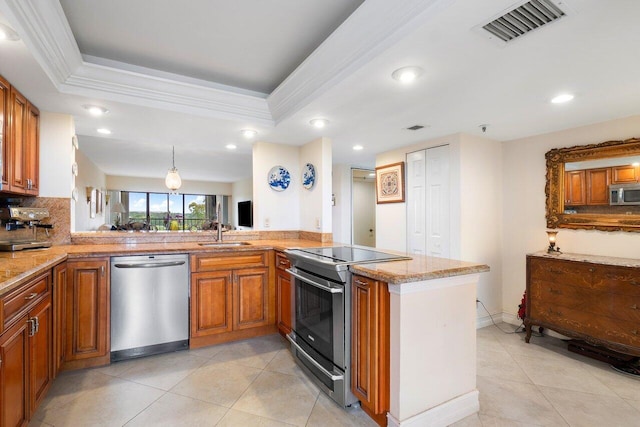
<point x="360" y="282"/>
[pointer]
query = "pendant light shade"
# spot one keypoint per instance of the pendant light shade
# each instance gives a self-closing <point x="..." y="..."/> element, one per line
<point x="173" y="181"/>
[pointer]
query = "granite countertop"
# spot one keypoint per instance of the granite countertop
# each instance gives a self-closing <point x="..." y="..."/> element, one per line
<point x="595" y="259"/>
<point x="18" y="267"/>
<point x="417" y="269"/>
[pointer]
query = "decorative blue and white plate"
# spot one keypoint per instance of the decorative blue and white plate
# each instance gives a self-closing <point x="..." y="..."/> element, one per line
<point x="308" y="176"/>
<point x="279" y="178"/>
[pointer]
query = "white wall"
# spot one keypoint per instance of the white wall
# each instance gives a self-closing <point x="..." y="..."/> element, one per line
<point x="56" y="154"/>
<point x="524" y="170"/>
<point x="89" y="175"/>
<point x="341" y="212"/>
<point x="157" y="185"/>
<point x="240" y="191"/>
<point x="275" y="210"/>
<point x="364" y="202"/>
<point x="315" y="203"/>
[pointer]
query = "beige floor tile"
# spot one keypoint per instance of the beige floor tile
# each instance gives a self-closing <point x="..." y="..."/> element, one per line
<point x="567" y="374"/>
<point x="625" y="386"/>
<point x="36" y="423"/>
<point x="470" y="421"/>
<point x="499" y="364"/>
<point x="488" y="421"/>
<point x="206" y="352"/>
<point x="255" y="353"/>
<point x="281" y="397"/>
<point x="221" y="383"/>
<point x="586" y="410"/>
<point x="110" y="405"/>
<point x="162" y="371"/>
<point x="327" y="413"/>
<point x="516" y="401"/>
<point x="635" y="403"/>
<point x="235" y="418"/>
<point x="284" y="363"/>
<point x="174" y="410"/>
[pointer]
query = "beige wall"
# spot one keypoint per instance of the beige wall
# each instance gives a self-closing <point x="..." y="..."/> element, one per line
<point x="89" y="175"/>
<point x="524" y="205"/>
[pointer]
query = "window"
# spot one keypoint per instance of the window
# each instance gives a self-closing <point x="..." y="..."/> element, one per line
<point x="164" y="211"/>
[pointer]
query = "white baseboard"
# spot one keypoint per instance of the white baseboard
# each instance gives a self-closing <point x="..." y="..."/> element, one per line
<point x="511" y="319"/>
<point x="442" y="415"/>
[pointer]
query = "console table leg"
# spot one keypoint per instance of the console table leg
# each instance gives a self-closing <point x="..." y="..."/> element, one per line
<point x="528" y="336"/>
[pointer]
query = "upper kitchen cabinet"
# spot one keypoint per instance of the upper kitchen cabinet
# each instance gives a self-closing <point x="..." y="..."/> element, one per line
<point x="20" y="142"/>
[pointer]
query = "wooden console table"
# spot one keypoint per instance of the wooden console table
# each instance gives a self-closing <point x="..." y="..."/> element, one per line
<point x="592" y="298"/>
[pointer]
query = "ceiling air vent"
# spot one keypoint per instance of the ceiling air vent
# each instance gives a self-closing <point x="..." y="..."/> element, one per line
<point x="523" y="19"/>
<point x="415" y="127"/>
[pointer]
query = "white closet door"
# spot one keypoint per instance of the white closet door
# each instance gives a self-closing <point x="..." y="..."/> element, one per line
<point x="437" y="201"/>
<point x="416" y="219"/>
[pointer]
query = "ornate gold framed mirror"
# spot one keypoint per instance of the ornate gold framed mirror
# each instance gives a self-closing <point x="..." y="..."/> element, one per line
<point x="584" y="182"/>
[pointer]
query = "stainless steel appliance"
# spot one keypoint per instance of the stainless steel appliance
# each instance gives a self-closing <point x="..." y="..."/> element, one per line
<point x="22" y="223"/>
<point x="149" y="305"/>
<point x="624" y="194"/>
<point x="321" y="335"/>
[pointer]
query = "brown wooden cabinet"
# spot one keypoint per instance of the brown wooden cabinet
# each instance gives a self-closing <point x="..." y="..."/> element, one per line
<point x="598" y="181"/>
<point x="59" y="301"/>
<point x="575" y="188"/>
<point x="87" y="309"/>
<point x="595" y="302"/>
<point x="20" y="144"/>
<point x="232" y="297"/>
<point x="26" y="360"/>
<point x="283" y="294"/>
<point x="626" y="174"/>
<point x="370" y="348"/>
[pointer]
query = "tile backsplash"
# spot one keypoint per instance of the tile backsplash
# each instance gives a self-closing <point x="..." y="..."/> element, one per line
<point x="59" y="216"/>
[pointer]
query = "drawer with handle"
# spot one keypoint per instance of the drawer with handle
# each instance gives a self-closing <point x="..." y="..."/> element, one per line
<point x="282" y="262"/>
<point x="24" y="297"/>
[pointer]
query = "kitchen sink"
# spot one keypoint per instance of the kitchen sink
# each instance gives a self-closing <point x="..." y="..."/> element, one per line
<point x="223" y="244"/>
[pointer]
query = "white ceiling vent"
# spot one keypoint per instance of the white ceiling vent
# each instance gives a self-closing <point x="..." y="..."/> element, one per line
<point x="523" y="19"/>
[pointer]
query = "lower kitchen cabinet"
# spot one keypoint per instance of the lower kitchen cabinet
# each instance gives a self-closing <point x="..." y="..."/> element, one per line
<point x="370" y="347"/>
<point x="283" y="294"/>
<point x="26" y="351"/>
<point x="59" y="301"/>
<point x="87" y="309"/>
<point x="230" y="303"/>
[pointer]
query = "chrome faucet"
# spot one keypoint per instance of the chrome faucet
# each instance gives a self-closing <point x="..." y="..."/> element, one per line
<point x="219" y="218"/>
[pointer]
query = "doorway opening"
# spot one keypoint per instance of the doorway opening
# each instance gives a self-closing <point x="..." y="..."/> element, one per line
<point x="363" y="207"/>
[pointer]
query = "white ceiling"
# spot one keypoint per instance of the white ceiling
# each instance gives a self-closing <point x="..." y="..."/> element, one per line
<point x="193" y="74"/>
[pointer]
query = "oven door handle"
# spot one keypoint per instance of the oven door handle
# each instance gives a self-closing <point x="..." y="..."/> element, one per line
<point x="316" y="284"/>
<point x="316" y="364"/>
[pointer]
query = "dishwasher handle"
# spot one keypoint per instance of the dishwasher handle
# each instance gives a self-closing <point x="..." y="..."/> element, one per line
<point x="149" y="264"/>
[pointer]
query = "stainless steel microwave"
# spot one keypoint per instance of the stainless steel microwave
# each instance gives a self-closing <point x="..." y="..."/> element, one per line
<point x="624" y="194"/>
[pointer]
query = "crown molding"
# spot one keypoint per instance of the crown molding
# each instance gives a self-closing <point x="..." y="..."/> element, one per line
<point x="46" y="32"/>
<point x="374" y="27"/>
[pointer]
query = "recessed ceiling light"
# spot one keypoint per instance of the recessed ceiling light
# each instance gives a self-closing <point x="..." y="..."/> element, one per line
<point x="562" y="98"/>
<point x="319" y="123"/>
<point x="407" y="75"/>
<point x="95" y="110"/>
<point x="248" y="133"/>
<point x="104" y="131"/>
<point x="357" y="147"/>
<point x="231" y="146"/>
<point x="8" y="33"/>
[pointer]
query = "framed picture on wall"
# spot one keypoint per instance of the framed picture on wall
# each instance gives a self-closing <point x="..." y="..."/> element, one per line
<point x="390" y="183"/>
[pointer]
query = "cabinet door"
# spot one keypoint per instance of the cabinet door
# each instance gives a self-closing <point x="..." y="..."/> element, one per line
<point x="598" y="181"/>
<point x="31" y="150"/>
<point x="87" y="310"/>
<point x="211" y="303"/>
<point x="14" y="366"/>
<point x="5" y="107"/>
<point x="625" y="174"/>
<point x="19" y="113"/>
<point x="41" y="352"/>
<point x="574" y="188"/>
<point x="283" y="292"/>
<point x="59" y="301"/>
<point x="250" y="298"/>
<point x="370" y="344"/>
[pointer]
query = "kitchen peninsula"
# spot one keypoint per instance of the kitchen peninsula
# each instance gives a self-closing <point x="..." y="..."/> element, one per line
<point x="431" y="321"/>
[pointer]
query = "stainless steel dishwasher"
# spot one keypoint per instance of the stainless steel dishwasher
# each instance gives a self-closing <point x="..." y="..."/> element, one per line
<point x="149" y="305"/>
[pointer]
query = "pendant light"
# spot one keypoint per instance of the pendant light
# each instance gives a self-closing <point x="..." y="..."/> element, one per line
<point x="173" y="181"/>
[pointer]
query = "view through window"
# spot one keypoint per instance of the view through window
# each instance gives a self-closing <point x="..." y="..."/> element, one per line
<point x="163" y="211"/>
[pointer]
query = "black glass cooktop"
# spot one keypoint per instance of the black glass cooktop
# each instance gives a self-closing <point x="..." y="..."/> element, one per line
<point x="350" y="255"/>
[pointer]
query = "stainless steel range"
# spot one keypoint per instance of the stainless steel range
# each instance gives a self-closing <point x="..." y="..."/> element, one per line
<point x="321" y="335"/>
